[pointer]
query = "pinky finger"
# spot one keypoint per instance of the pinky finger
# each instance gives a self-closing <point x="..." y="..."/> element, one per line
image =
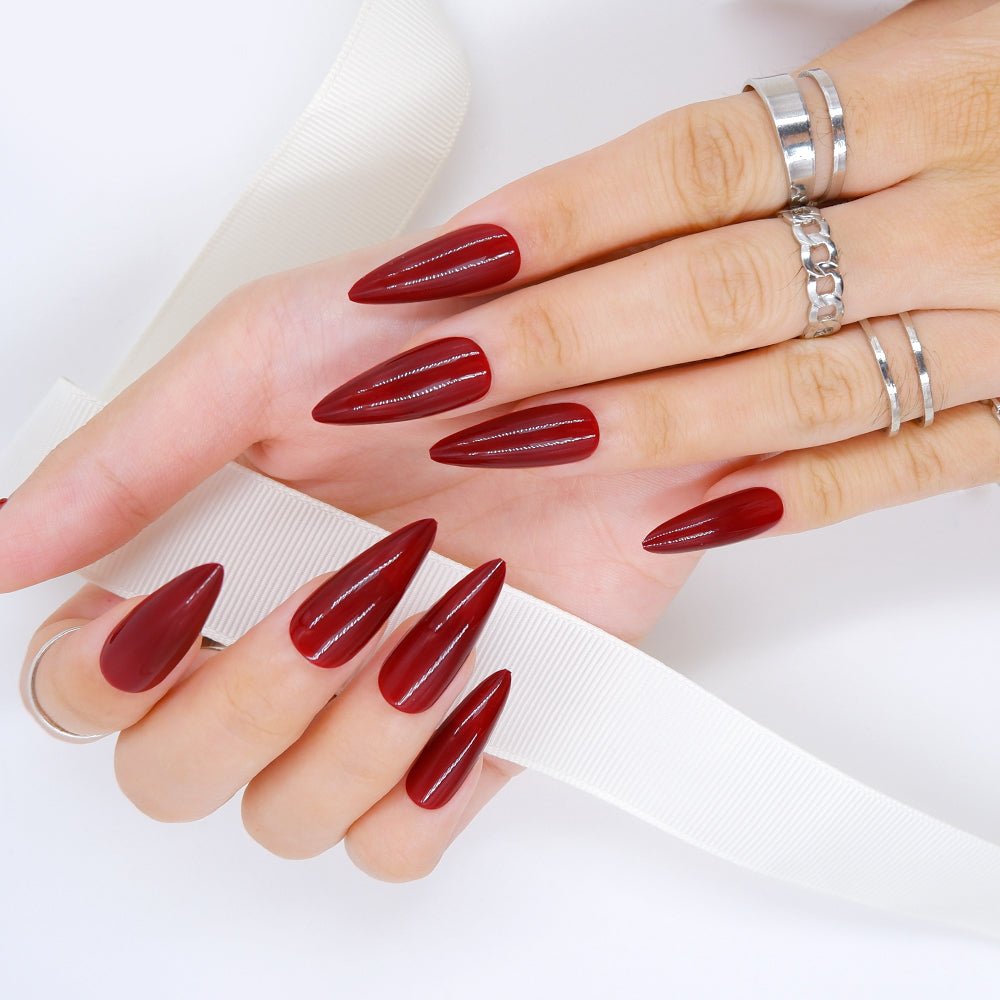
<point x="800" y="490"/>
<point x="403" y="836"/>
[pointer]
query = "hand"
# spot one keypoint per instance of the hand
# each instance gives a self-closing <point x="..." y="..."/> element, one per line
<point x="687" y="350"/>
<point x="241" y="386"/>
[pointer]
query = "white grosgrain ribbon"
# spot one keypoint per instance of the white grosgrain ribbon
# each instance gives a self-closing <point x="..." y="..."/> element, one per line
<point x="585" y="707"/>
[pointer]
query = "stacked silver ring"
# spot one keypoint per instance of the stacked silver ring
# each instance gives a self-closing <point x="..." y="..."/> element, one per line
<point x="895" y="414"/>
<point x="784" y="101"/>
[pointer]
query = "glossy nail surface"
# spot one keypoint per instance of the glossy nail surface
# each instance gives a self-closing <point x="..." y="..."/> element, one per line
<point x="155" y="635"/>
<point x="458" y="263"/>
<point x="721" y="521"/>
<point x="417" y="672"/>
<point x="553" y="434"/>
<point x="3" y="501"/>
<point x="438" y="773"/>
<point x="337" y="620"/>
<point x="427" y="379"/>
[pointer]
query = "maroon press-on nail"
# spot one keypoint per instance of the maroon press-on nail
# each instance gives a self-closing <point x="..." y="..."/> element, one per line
<point x="155" y="635"/>
<point x="427" y="379"/>
<point x="453" y="750"/>
<point x="417" y="672"/>
<point x="340" y="617"/>
<point x="553" y="434"/>
<point x="458" y="263"/>
<point x="3" y="501"/>
<point x="719" y="522"/>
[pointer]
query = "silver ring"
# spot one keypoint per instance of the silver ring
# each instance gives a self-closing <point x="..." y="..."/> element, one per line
<point x="994" y="404"/>
<point x="883" y="367"/>
<point x="30" y="696"/>
<point x="922" y="373"/>
<point x="783" y="100"/>
<point x="826" y="307"/>
<point x="838" y="134"/>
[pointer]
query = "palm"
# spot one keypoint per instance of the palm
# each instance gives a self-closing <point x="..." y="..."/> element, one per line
<point x="573" y="540"/>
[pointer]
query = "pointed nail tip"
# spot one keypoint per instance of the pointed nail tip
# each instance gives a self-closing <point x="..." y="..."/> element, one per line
<point x="369" y="290"/>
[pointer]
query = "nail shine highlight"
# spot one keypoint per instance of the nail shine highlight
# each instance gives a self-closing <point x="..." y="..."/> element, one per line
<point x="434" y="377"/>
<point x="461" y="262"/>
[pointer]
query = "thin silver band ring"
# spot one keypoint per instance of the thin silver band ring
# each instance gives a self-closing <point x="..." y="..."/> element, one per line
<point x="890" y="384"/>
<point x="922" y="373"/>
<point x="30" y="696"/>
<point x="838" y="134"/>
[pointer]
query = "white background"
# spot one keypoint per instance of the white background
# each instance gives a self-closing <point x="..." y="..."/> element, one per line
<point x="127" y="131"/>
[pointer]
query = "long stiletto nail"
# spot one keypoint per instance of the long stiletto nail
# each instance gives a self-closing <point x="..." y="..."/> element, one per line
<point x="156" y="634"/>
<point x="438" y="773"/>
<point x="427" y="379"/>
<point x="340" y="617"/>
<point x="721" y="521"/>
<point x="553" y="434"/>
<point x="417" y="672"/>
<point x="458" y="263"/>
<point x="3" y="501"/>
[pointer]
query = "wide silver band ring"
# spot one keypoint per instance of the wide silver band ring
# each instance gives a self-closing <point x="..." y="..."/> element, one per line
<point x="895" y="413"/>
<point x="30" y="697"/>
<point x="784" y="102"/>
<point x="821" y="262"/>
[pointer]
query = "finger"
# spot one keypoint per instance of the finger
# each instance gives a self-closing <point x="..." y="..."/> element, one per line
<point x="362" y="743"/>
<point x="703" y="296"/>
<point x="798" y="491"/>
<point x="794" y="395"/>
<point x="212" y="733"/>
<point x="124" y="655"/>
<point x="711" y="164"/>
<point x="403" y="836"/>
<point x="245" y="374"/>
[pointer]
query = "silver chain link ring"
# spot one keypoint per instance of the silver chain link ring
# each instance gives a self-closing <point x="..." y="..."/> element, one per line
<point x="822" y="264"/>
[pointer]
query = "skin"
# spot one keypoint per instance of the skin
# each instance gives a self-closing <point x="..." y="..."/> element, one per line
<point x="332" y="770"/>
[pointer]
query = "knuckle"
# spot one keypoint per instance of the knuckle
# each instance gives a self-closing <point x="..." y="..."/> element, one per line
<point x="704" y="153"/>
<point x="728" y="284"/>
<point x="655" y="435"/>
<point x="921" y="468"/>
<point x="820" y="385"/>
<point x="821" y="481"/>
<point x="542" y="338"/>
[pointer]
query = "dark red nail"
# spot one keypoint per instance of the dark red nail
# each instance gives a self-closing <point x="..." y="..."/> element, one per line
<point x="341" y="616"/>
<point x="156" y="634"/>
<point x="428" y="379"/>
<point x="3" y="501"/>
<point x="438" y="773"/>
<point x="458" y="263"/>
<point x="719" y="522"/>
<point x="553" y="434"/>
<point x="417" y="672"/>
